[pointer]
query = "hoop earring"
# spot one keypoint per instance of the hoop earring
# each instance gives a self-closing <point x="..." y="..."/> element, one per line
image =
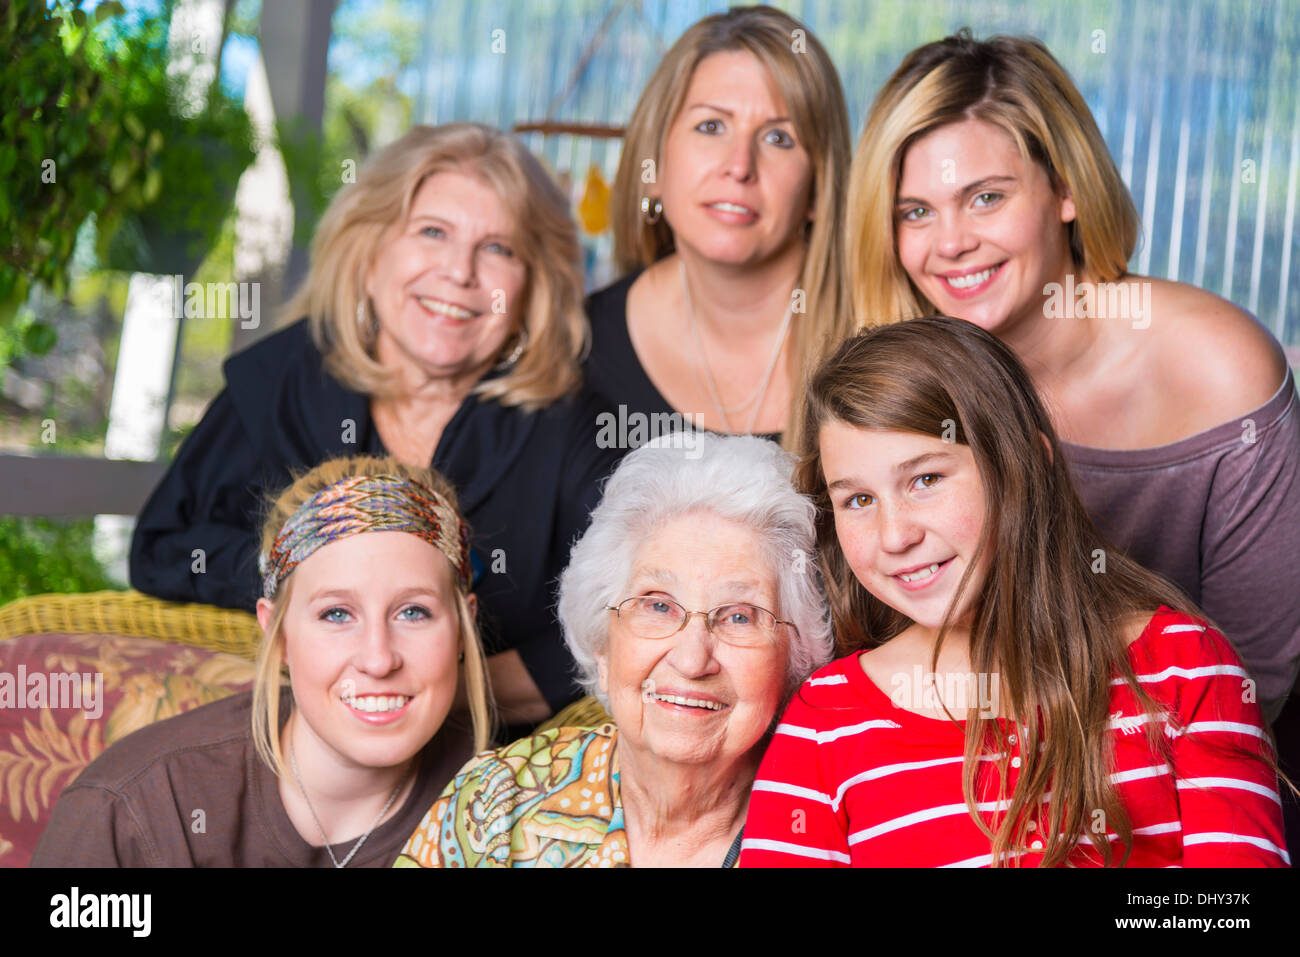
<point x="652" y="210"/>
<point x="509" y="361"/>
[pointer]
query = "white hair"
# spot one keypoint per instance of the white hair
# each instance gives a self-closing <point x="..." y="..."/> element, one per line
<point x="741" y="478"/>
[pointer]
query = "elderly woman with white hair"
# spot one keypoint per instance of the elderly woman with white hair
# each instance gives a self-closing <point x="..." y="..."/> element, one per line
<point x="693" y="610"/>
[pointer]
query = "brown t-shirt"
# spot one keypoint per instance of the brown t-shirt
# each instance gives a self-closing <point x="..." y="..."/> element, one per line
<point x="1218" y="514"/>
<point x="191" y="791"/>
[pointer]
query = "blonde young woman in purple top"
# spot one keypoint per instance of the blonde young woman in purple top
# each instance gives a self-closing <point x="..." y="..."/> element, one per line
<point x="983" y="189"/>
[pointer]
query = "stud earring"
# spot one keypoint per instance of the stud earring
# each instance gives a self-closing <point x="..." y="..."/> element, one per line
<point x="652" y="210"/>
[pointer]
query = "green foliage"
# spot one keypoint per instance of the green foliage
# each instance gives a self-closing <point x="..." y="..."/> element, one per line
<point x="95" y="125"/>
<point x="24" y="334"/>
<point x="39" y="555"/>
<point x="314" y="174"/>
<point x="205" y="142"/>
<point x="64" y="151"/>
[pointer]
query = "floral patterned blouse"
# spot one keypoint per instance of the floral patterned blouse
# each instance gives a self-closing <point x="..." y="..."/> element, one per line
<point x="549" y="800"/>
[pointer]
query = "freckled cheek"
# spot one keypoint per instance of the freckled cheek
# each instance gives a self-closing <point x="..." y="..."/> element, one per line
<point x="859" y="545"/>
<point x="966" y="522"/>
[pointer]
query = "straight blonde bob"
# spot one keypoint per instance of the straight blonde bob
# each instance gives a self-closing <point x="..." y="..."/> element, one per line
<point x="360" y="217"/>
<point x="1013" y="83"/>
<point x="806" y="79"/>
<point x="270" y="674"/>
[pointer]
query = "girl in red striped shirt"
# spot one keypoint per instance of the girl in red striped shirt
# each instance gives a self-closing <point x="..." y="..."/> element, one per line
<point x="1014" y="690"/>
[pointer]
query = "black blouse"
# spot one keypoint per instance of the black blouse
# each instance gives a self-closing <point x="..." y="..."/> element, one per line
<point x="526" y="483"/>
<point x="613" y="368"/>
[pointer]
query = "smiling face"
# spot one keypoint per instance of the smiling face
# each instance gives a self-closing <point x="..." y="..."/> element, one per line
<point x="908" y="511"/>
<point x="447" y="286"/>
<point x="701" y="561"/>
<point x="371" y="638"/>
<point x="980" y="231"/>
<point x="734" y="181"/>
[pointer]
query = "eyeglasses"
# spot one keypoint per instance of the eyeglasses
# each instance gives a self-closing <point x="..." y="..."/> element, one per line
<point x="740" y="624"/>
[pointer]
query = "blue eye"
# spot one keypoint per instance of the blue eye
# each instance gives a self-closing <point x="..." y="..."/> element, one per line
<point x="739" y="615"/>
<point x="500" y="250"/>
<point x="335" y="615"/>
<point x="780" y="138"/>
<point x="421" y="613"/>
<point x="713" y="126"/>
<point x="433" y="232"/>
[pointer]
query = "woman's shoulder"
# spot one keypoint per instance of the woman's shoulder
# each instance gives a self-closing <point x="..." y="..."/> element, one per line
<point x="609" y="303"/>
<point x="283" y="395"/>
<point x="1213" y="355"/>
<point x="527" y="770"/>
<point x="568" y="742"/>
<point x="272" y="355"/>
<point x="612" y="356"/>
<point x="832" y="685"/>
<point x="222" y="725"/>
<point x="1178" y="642"/>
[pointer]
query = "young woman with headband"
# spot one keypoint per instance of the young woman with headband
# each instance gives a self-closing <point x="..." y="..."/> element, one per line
<point x="1015" y="691"/>
<point x="366" y="604"/>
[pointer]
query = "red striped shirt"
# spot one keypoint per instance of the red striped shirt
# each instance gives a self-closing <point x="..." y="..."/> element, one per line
<point x="850" y="779"/>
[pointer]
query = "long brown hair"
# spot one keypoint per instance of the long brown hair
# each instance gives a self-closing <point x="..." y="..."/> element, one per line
<point x="1013" y="83"/>
<point x="1045" y="623"/>
<point x="803" y="72"/>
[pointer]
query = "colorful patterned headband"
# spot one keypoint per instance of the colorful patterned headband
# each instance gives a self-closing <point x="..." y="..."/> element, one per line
<point x="366" y="503"/>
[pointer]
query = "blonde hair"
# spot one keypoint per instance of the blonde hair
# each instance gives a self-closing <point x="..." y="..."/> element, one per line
<point x="270" y="669"/>
<point x="814" y="99"/>
<point x="546" y="240"/>
<point x="1015" y="84"/>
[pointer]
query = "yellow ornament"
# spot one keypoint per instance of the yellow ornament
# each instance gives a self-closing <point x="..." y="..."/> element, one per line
<point x="593" y="208"/>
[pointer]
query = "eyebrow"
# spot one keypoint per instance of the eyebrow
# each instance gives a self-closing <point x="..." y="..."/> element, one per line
<point x="968" y="189"/>
<point x="902" y="467"/>
<point x="655" y="575"/>
<point x="658" y="576"/>
<point x="723" y="109"/>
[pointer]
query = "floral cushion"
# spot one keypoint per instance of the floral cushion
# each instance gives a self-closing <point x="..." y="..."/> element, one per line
<point x="66" y="697"/>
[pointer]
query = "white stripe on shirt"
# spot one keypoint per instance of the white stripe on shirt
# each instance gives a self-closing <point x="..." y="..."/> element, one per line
<point x="794" y="790"/>
<point x="1194" y="783"/>
<point x="918" y="817"/>
<point x="828" y="680"/>
<point x="822" y="737"/>
<point x="1233" y="727"/>
<point x="781" y="847"/>
<point x="1226" y="837"/>
<point x="1206" y="671"/>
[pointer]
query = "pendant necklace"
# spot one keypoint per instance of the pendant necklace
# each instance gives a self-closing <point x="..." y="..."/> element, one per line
<point x="761" y="392"/>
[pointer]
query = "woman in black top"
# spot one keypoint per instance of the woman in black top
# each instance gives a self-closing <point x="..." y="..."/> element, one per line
<point x="728" y="212"/>
<point x="443" y="327"/>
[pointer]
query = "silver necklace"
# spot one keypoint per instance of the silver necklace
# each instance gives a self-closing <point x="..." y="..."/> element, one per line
<point x="761" y="393"/>
<point x="293" y="762"/>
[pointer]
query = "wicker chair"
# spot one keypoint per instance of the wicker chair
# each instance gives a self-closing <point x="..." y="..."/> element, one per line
<point x="152" y="659"/>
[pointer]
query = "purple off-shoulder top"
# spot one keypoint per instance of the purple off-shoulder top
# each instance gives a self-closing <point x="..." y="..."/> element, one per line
<point x="1219" y="515"/>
